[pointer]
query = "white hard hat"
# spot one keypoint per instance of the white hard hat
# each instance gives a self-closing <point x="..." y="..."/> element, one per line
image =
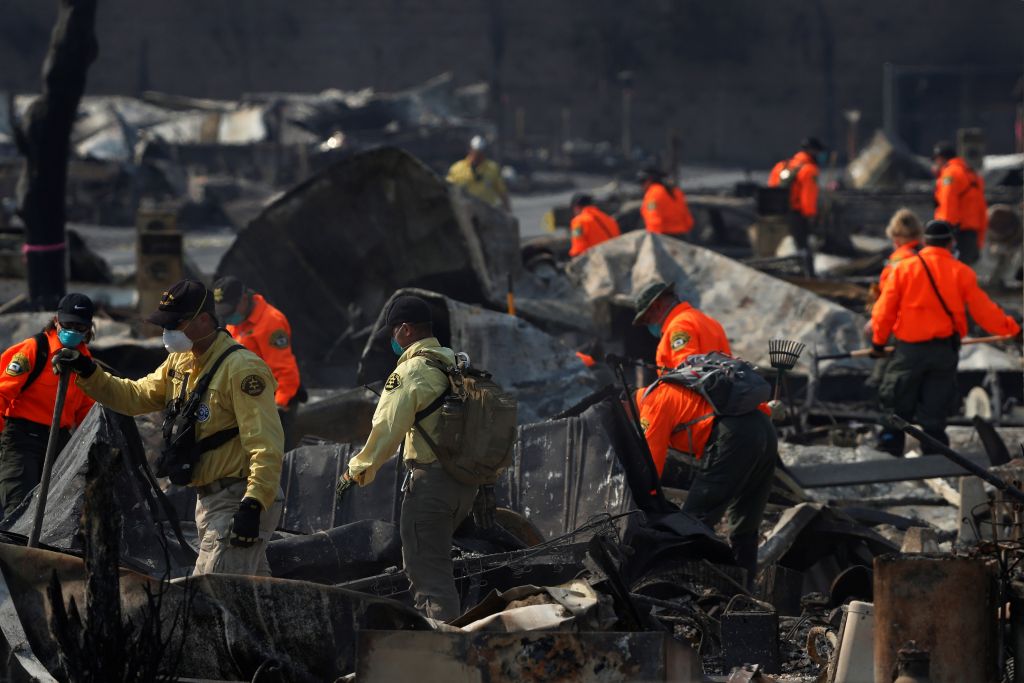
<point x="478" y="143"/>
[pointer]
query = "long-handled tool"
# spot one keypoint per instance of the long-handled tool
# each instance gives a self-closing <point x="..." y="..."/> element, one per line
<point x="783" y="354"/>
<point x="51" y="455"/>
<point x="943" y="449"/>
<point x="862" y="353"/>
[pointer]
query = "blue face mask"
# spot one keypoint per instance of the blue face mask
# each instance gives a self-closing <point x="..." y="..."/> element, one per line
<point x="69" y="339"/>
<point x="655" y="331"/>
<point x="396" y="347"/>
<point x="233" y="318"/>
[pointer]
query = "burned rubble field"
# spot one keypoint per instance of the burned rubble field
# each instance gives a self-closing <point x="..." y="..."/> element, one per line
<point x="591" y="570"/>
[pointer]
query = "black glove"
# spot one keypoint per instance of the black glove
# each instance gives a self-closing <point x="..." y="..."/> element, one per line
<point x="70" y="359"/>
<point x="245" y="527"/>
<point x="344" y="484"/>
<point x="878" y="351"/>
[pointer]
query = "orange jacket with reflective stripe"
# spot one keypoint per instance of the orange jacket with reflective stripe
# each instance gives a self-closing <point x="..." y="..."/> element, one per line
<point x="666" y="212"/>
<point x="591" y="227"/>
<point x="686" y="332"/>
<point x="909" y="308"/>
<point x="960" y="198"/>
<point x="803" y="190"/>
<point x="37" y="403"/>
<point x="266" y="333"/>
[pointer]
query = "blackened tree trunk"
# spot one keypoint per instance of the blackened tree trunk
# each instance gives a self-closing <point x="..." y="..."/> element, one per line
<point x="44" y="138"/>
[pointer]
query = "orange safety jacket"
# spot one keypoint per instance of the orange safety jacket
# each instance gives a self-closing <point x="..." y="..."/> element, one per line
<point x="676" y="417"/>
<point x="687" y="332"/>
<point x="37" y="402"/>
<point x="666" y="212"/>
<point x="591" y="227"/>
<point x="803" y="190"/>
<point x="901" y="253"/>
<point x="909" y="308"/>
<point x="266" y="333"/>
<point x="960" y="198"/>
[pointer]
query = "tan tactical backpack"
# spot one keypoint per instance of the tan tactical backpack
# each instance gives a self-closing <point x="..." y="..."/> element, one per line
<point x="476" y="423"/>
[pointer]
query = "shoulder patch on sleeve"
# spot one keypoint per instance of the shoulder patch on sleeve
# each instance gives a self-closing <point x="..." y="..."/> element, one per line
<point x="679" y="339"/>
<point x="652" y="206"/>
<point x="947" y="180"/>
<point x="19" y="365"/>
<point x="253" y="385"/>
<point x="279" y="339"/>
<point x="394" y="381"/>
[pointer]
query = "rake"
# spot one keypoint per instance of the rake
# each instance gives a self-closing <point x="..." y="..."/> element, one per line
<point x="783" y="354"/>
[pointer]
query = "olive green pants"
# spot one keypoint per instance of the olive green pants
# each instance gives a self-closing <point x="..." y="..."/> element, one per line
<point x="736" y="473"/>
<point x="22" y="450"/>
<point x="920" y="386"/>
<point x="434" y="506"/>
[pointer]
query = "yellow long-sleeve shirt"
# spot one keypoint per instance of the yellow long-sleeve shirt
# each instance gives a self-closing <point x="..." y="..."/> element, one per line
<point x="483" y="181"/>
<point x="241" y="394"/>
<point x="413" y="386"/>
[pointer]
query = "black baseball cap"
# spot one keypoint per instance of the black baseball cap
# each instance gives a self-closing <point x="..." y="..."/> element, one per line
<point x="75" y="308"/>
<point x="227" y="292"/>
<point x="408" y="309"/>
<point x="185" y="300"/>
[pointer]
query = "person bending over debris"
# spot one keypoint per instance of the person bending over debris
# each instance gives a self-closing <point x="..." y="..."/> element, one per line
<point x="27" y="397"/>
<point x="479" y="175"/>
<point x="222" y="434"/>
<point x="960" y="201"/>
<point x="435" y="503"/>
<point x="800" y="175"/>
<point x="590" y="225"/>
<point x="265" y="331"/>
<point x="664" y="207"/>
<point x="924" y="304"/>
<point x="681" y="330"/>
<point x="736" y="452"/>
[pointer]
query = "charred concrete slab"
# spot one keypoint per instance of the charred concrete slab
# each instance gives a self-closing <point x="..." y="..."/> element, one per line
<point x="753" y="307"/>
<point x="332" y="249"/>
<point x="545" y="375"/>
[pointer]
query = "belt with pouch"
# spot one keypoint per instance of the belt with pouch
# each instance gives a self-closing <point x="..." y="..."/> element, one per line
<point x="218" y="485"/>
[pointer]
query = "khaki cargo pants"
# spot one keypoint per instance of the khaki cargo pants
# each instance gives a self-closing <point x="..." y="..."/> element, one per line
<point x="433" y="507"/>
<point x="216" y="506"/>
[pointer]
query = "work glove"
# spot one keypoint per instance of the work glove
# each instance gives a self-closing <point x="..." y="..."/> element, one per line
<point x="245" y="526"/>
<point x="483" y="507"/>
<point x="878" y="351"/>
<point x="778" y="410"/>
<point x="344" y="484"/>
<point x="74" y="361"/>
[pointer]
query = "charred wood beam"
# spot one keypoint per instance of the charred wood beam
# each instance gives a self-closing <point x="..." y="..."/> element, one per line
<point x="44" y="139"/>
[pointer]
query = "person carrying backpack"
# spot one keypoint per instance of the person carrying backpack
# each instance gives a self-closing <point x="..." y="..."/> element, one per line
<point x="451" y="446"/>
<point x="713" y="408"/>
<point x="27" y="397"/>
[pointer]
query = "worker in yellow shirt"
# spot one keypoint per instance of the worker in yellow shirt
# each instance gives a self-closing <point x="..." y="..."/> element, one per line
<point x="222" y="434"/>
<point x="479" y="175"/>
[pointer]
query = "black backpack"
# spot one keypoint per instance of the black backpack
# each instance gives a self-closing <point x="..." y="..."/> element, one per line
<point x="731" y="385"/>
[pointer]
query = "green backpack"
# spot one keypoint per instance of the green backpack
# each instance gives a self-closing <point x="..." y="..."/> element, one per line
<point x="477" y="424"/>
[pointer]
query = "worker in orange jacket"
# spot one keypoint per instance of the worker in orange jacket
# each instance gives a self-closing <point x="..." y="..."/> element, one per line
<point x="960" y="201"/>
<point x="681" y="329"/>
<point x="800" y="175"/>
<point x="28" y="392"/>
<point x="664" y="207"/>
<point x="265" y="331"/>
<point x="737" y="456"/>
<point x="590" y="225"/>
<point x="924" y="303"/>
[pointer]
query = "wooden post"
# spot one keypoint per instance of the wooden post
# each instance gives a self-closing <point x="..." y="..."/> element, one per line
<point x="43" y="138"/>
